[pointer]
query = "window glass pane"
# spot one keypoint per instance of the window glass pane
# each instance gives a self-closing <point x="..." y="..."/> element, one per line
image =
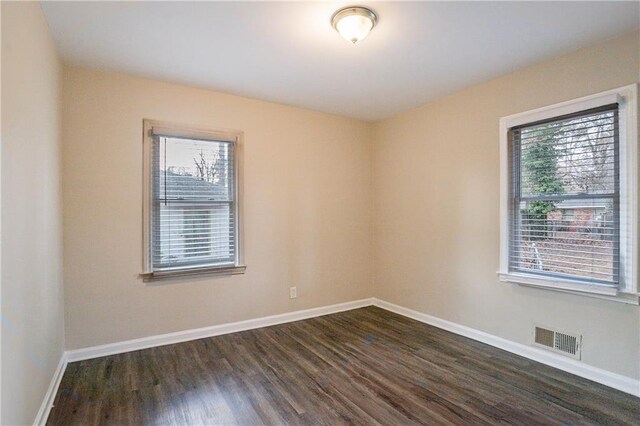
<point x="572" y="156"/>
<point x="569" y="237"/>
<point x="193" y="215"/>
<point x="565" y="211"/>
<point x="193" y="169"/>
<point x="191" y="234"/>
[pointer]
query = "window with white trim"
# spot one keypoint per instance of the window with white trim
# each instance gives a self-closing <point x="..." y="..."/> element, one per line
<point x="192" y="201"/>
<point x="569" y="195"/>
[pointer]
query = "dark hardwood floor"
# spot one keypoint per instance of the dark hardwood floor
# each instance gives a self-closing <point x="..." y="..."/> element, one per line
<point x="366" y="366"/>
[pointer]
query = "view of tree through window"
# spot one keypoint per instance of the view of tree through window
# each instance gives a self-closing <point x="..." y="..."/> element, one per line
<point x="566" y="197"/>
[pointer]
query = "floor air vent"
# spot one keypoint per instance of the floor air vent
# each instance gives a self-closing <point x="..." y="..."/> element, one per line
<point x="564" y="343"/>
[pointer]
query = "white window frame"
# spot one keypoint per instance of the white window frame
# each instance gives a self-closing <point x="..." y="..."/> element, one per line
<point x="157" y="127"/>
<point x="627" y="99"/>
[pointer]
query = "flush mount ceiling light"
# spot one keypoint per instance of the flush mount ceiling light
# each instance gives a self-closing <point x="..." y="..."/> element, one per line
<point x="354" y="22"/>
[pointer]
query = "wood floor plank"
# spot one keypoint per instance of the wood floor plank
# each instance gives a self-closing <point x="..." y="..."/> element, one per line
<point x="364" y="367"/>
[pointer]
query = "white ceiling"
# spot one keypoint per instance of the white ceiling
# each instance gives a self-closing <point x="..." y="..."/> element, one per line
<point x="289" y="53"/>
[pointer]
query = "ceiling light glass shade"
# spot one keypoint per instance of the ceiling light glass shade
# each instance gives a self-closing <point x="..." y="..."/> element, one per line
<point x="354" y="23"/>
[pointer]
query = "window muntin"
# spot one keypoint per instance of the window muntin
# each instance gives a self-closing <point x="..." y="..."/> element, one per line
<point x="193" y="206"/>
<point x="565" y="197"/>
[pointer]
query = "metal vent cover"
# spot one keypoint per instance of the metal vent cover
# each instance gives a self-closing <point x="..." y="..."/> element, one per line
<point x="569" y="344"/>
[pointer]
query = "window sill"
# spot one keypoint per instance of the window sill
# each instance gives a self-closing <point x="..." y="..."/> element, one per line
<point x="572" y="287"/>
<point x="208" y="271"/>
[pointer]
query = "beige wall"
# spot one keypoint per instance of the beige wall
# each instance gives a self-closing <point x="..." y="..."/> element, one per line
<point x="436" y="189"/>
<point x="32" y="294"/>
<point x="308" y="218"/>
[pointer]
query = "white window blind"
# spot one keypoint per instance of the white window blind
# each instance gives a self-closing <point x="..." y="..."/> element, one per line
<point x="193" y="223"/>
<point x="565" y="197"/>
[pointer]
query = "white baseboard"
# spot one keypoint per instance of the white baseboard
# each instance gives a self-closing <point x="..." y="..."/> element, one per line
<point x="216" y="330"/>
<point x="607" y="378"/>
<point x="50" y="396"/>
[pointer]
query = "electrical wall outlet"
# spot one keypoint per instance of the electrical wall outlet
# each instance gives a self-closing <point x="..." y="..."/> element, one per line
<point x="293" y="292"/>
